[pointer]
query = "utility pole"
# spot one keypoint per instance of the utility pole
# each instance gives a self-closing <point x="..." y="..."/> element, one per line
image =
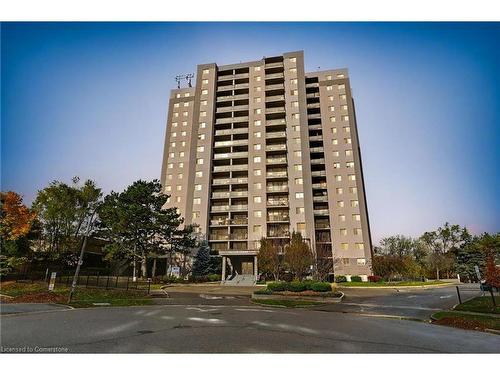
<point x="80" y="260"/>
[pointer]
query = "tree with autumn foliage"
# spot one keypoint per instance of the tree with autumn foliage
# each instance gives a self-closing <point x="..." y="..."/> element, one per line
<point x="15" y="224"/>
<point x="269" y="258"/>
<point x="298" y="256"/>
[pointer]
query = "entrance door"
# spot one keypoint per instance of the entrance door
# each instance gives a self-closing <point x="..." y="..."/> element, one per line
<point x="247" y="268"/>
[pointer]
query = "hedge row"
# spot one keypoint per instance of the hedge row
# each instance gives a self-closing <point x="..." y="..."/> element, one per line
<point x="299" y="286"/>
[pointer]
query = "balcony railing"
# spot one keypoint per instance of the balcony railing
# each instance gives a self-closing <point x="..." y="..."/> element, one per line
<point x="276" y="174"/>
<point x="239" y="237"/>
<point x="231" y="97"/>
<point x="320" y="198"/>
<point x="316" y="149"/>
<point x="275" y="98"/>
<point x="231" y="131"/>
<point x="232" y="155"/>
<point x="313" y="95"/>
<point x="277" y="188"/>
<point x="232" y="76"/>
<point x="275" y="135"/>
<point x="275" y="87"/>
<point x="274" y="219"/>
<point x="238" y="142"/>
<point x="318" y="173"/>
<point x="313" y="105"/>
<point x="232" y="87"/>
<point x="276" y="161"/>
<point x="275" y="147"/>
<point x="275" y="75"/>
<point x="221" y="181"/>
<point x="280" y="121"/>
<point x="221" y="194"/>
<point x="316" y="138"/>
<point x="219" y="237"/>
<point x="280" y="203"/>
<point x="314" y="115"/>
<point x="278" y="64"/>
<point x="229" y="120"/>
<point x="318" y="161"/>
<point x="275" y="234"/>
<point x="220" y="208"/>
<point x="323" y="211"/>
<point x="239" y="207"/>
<point x="319" y="186"/>
<point x="227" y="168"/>
<point x="232" y="108"/>
<point x="275" y="110"/>
<point x="315" y="127"/>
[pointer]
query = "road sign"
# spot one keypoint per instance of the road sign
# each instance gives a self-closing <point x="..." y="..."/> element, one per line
<point x="52" y="281"/>
<point x="175" y="271"/>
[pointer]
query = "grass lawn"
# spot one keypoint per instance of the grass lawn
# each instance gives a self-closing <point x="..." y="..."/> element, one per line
<point x="466" y="321"/>
<point x="285" y="303"/>
<point x="481" y="305"/>
<point x="392" y="283"/>
<point x="83" y="297"/>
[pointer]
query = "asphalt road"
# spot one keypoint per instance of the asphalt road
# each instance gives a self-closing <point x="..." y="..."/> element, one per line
<point x="228" y="323"/>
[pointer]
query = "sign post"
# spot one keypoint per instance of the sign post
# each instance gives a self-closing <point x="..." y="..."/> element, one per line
<point x="52" y="282"/>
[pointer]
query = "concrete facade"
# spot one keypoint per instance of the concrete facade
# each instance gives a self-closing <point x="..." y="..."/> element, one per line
<point x="263" y="148"/>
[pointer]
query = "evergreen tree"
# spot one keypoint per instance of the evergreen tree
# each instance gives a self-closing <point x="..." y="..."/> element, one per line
<point x="203" y="264"/>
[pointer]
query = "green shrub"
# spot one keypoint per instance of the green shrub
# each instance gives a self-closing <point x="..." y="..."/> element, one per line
<point x="340" y="279"/>
<point x="263" y="291"/>
<point x="296" y="286"/>
<point x="214" y="277"/>
<point x="172" y="279"/>
<point x="356" y="278"/>
<point x="277" y="287"/>
<point x="321" y="287"/>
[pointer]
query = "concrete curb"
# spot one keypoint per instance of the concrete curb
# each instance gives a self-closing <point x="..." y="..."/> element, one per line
<point x="397" y="287"/>
<point x="280" y="297"/>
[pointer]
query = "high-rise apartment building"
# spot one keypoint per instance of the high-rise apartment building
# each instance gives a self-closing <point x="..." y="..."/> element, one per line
<point x="261" y="149"/>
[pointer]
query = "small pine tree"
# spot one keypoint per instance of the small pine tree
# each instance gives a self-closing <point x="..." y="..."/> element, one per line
<point x="202" y="265"/>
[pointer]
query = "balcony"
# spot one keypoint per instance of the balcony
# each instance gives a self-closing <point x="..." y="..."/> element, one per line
<point x="220" y="194"/>
<point x="221" y="181"/>
<point x="279" y="174"/>
<point x="320" y="198"/>
<point x="276" y="147"/>
<point x="318" y="173"/>
<point x="224" y="208"/>
<point x="313" y="95"/>
<point x="229" y="120"/>
<point x="322" y="224"/>
<point x="278" y="234"/>
<point x="277" y="203"/>
<point x="233" y="87"/>
<point x="230" y="77"/>
<point x="231" y="97"/>
<point x="316" y="149"/>
<point x="275" y="87"/>
<point x="321" y="212"/>
<point x="238" y="207"/>
<point x="275" y="110"/>
<point x="239" y="221"/>
<point x="278" y="64"/>
<point x="239" y="180"/>
<point x="231" y="155"/>
<point x="316" y="138"/>
<point x="275" y="75"/>
<point x="219" y="237"/>
<point x="277" y="188"/>
<point x="274" y="161"/>
<point x="318" y="161"/>
<point x="319" y="186"/>
<point x="313" y="105"/>
<point x="228" y="168"/>
<point x="239" y="142"/>
<point x="315" y="127"/>
<point x="279" y="121"/>
<point x="275" y="98"/>
<point x="239" y="237"/>
<point x="314" y="115"/>
<point x="275" y="135"/>
<point x="278" y="218"/>
<point x="231" y="131"/>
<point x="232" y="108"/>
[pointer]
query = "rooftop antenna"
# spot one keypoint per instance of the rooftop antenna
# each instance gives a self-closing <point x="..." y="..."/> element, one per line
<point x="178" y="80"/>
<point x="188" y="78"/>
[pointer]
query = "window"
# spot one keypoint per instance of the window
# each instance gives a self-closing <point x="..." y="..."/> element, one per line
<point x="349" y="164"/>
<point x="296" y="141"/>
<point x="344" y="246"/>
<point x="257" y="172"/>
<point x="299" y="181"/>
<point x="257" y="147"/>
<point x="257" y="185"/>
<point x="257" y="111"/>
<point x="339" y="191"/>
<point x="341" y="217"/>
<point x="351" y="177"/>
<point x="257" y="199"/>
<point x="174" y="124"/>
<point x="199" y="161"/>
<point x="201" y="137"/>
<point x="344" y="107"/>
<point x="353" y="190"/>
<point x="183" y="143"/>
<point x="357" y="231"/>
<point x="181" y="154"/>
<point x="197" y="187"/>
<point x="334" y="130"/>
<point x="345" y="118"/>
<point x="293" y="70"/>
<point x="356" y="217"/>
<point x="204" y="102"/>
<point x="168" y="188"/>
<point x="206" y="71"/>
<point x="294" y="81"/>
<point x="361" y="261"/>
<point x="184" y="123"/>
<point x="179" y="187"/>
<point x="186" y="95"/>
<point x="178" y="199"/>
<point x="360" y="246"/>
<point x="297" y="154"/>
<point x="257" y="229"/>
<point x="205" y="81"/>
<point x="257" y="214"/>
<point x="333" y="119"/>
<point x="256" y="69"/>
<point x="257" y="122"/>
<point x="332" y="109"/>
<point x="295" y="92"/>
<point x="335" y="141"/>
<point x="330" y="98"/>
<point x="329" y="88"/>
<point x="328" y="78"/>
<point x="336" y="165"/>
<point x="200" y="148"/>
<point x="341" y="87"/>
<point x="185" y="114"/>
<point x="170" y="165"/>
<point x="335" y="153"/>
<point x="347" y="129"/>
<point x="197" y="201"/>
<point x="296" y="116"/>
<point x="299" y="195"/>
<point x="297" y="167"/>
<point x="196" y="215"/>
<point x="296" y="128"/>
<point x="174" y="134"/>
<point x="171" y="155"/>
<point x="295" y="104"/>
<point x="176" y="105"/>
<point x="338" y="178"/>
<point x="177" y="95"/>
<point x="257" y="134"/>
<point x="168" y="199"/>
<point x="354" y="203"/>
<point x="340" y="204"/>
<point x="343" y="97"/>
<point x="203" y="114"/>
<point x="169" y="176"/>
<point x="172" y="144"/>
<point x="257" y="100"/>
<point x="181" y="165"/>
<point x="340" y="76"/>
<point x="299" y="210"/>
<point x="199" y="174"/>
<point x="183" y="133"/>
<point x="258" y="89"/>
<point x="347" y="141"/>
<point x="176" y="114"/>
<point x="258" y="78"/>
<point x="186" y="104"/>
<point x="293" y="59"/>
<point x="256" y="159"/>
<point x="348" y="152"/>
<point x="204" y="92"/>
<point x="343" y="232"/>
